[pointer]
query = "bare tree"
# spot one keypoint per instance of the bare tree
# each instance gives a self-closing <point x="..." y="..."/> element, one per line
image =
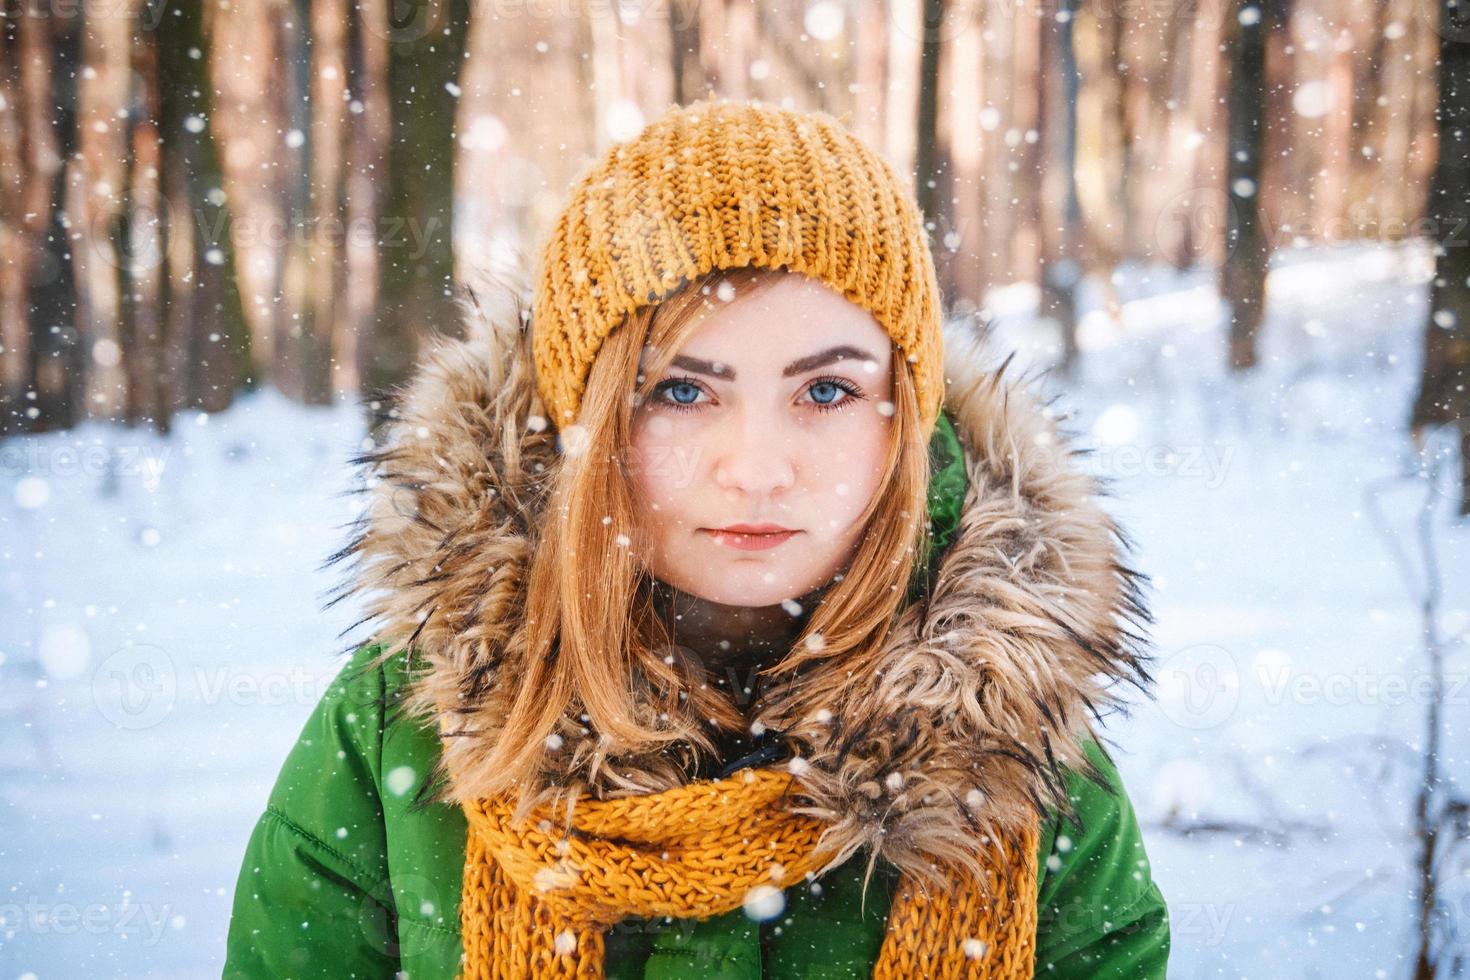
<point x="1061" y="266"/>
<point x="926" y="143"/>
<point x="1247" y="251"/>
<point x="690" y="78"/>
<point x="201" y="299"/>
<point x="41" y="52"/>
<point x="416" y="247"/>
<point x="1442" y="398"/>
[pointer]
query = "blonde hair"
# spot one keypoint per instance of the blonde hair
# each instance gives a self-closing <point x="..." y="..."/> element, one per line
<point x="594" y="642"/>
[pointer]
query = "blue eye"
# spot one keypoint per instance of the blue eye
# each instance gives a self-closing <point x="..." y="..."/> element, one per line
<point x="828" y="401"/>
<point x="687" y="389"/>
<point x="680" y="403"/>
<point x="829" y="388"/>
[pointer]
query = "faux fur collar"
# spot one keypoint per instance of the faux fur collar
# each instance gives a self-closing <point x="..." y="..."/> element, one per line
<point x="991" y="682"/>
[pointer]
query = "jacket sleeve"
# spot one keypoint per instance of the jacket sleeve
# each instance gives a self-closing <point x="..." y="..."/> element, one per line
<point x="312" y="898"/>
<point x="1100" y="914"/>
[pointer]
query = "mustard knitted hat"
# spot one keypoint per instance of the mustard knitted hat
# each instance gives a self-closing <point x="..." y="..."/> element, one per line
<point x="720" y="184"/>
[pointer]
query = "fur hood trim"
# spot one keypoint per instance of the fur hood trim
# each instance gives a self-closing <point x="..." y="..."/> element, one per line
<point x="991" y="683"/>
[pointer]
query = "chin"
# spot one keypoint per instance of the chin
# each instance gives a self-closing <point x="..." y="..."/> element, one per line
<point x="744" y="584"/>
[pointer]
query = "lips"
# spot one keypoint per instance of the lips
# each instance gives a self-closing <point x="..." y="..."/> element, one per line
<point x="751" y="537"/>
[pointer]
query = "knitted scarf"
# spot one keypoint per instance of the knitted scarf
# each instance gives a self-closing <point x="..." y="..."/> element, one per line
<point x="536" y="903"/>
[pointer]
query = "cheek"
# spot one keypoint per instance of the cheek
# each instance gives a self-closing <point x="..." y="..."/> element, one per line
<point x="846" y="478"/>
<point x="649" y="481"/>
<point x="661" y="464"/>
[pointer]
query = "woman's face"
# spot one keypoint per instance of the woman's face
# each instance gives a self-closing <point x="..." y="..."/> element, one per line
<point x="775" y="414"/>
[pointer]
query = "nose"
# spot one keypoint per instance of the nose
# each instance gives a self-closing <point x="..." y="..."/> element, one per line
<point x="755" y="455"/>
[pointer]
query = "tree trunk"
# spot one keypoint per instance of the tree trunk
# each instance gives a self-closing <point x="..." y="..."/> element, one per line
<point x="295" y="323"/>
<point x="689" y="77"/>
<point x="48" y="50"/>
<point x="1442" y="396"/>
<point x="141" y="242"/>
<point x="367" y="83"/>
<point x="1243" y="275"/>
<point x="416" y="244"/>
<point x="926" y="137"/>
<point x="1061" y="269"/>
<point x="201" y="291"/>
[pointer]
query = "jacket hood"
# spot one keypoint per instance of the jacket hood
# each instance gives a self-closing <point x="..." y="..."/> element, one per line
<point x="1031" y="628"/>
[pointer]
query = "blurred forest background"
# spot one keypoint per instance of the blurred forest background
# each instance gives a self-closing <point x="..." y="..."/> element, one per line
<point x="1234" y="233"/>
<point x="205" y="197"/>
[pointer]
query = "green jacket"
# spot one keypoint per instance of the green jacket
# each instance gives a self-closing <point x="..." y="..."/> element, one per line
<point x="348" y="874"/>
<point x="342" y="877"/>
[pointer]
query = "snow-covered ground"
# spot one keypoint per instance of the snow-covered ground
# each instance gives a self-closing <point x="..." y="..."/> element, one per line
<point x="162" y="637"/>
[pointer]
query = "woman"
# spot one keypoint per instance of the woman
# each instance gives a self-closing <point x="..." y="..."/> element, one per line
<point x="730" y="620"/>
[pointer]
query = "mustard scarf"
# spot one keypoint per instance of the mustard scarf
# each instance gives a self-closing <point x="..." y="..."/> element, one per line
<point x="535" y="904"/>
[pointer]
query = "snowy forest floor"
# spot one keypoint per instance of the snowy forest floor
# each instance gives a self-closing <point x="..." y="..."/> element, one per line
<point x="162" y="638"/>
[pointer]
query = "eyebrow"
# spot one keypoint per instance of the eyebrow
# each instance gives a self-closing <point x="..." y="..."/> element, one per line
<point x="811" y="362"/>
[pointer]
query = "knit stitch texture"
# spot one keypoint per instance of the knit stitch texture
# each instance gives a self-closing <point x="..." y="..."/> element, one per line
<point x="536" y="901"/>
